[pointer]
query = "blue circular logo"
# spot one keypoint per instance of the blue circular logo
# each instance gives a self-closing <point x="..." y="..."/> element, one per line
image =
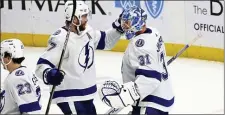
<point x="139" y="42"/>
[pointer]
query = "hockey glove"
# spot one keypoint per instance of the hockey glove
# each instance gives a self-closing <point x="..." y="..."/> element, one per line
<point x="118" y="96"/>
<point x="53" y="76"/>
<point x="117" y="24"/>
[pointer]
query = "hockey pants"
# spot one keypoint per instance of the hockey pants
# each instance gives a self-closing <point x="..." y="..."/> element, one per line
<point x="78" y="107"/>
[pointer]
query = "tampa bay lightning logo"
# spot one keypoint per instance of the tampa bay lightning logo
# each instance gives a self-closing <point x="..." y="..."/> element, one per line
<point x="2" y="99"/>
<point x="139" y="42"/>
<point x="126" y="3"/>
<point x="19" y="73"/>
<point x="154" y="7"/>
<point x="86" y="57"/>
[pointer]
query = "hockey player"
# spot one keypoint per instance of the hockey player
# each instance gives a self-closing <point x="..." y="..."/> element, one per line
<point x="147" y="84"/>
<point x="21" y="92"/>
<point x="76" y="81"/>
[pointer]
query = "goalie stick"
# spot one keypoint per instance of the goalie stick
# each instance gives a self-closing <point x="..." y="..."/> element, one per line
<point x="62" y="55"/>
<point x="184" y="48"/>
<point x="117" y="110"/>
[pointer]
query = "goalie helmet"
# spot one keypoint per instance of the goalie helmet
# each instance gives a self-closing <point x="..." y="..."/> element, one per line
<point x="134" y="18"/>
<point x="12" y="46"/>
<point x="81" y="9"/>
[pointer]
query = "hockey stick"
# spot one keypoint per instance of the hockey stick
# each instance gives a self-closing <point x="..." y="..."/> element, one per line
<point x="117" y="110"/>
<point x="184" y="48"/>
<point x="62" y="55"/>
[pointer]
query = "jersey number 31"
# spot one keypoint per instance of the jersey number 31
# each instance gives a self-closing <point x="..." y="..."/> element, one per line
<point x="144" y="60"/>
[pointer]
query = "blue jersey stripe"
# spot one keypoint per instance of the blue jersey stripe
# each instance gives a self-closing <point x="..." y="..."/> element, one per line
<point x="34" y="106"/>
<point x="44" y="61"/>
<point x="101" y="43"/>
<point x="75" y="92"/>
<point x="158" y="100"/>
<point x="149" y="73"/>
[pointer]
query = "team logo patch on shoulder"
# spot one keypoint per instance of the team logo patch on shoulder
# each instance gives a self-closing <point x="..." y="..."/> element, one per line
<point x="139" y="42"/>
<point x="57" y="32"/>
<point x="19" y="73"/>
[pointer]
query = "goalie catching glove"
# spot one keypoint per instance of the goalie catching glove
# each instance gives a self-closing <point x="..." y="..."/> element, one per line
<point x="117" y="96"/>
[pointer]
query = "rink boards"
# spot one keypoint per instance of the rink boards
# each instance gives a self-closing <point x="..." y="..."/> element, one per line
<point x="178" y="22"/>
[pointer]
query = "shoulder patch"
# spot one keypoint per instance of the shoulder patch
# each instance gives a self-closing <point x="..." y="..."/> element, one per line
<point x="139" y="42"/>
<point x="19" y="73"/>
<point x="57" y="32"/>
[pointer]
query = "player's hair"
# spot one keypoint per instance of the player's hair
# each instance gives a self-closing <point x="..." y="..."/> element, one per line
<point x="68" y="22"/>
<point x="14" y="60"/>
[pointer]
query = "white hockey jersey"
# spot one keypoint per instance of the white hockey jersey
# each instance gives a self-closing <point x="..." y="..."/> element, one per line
<point x="144" y="64"/>
<point x="21" y="93"/>
<point x="78" y="63"/>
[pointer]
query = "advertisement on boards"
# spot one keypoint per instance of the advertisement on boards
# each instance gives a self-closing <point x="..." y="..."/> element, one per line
<point x="207" y="18"/>
<point x="154" y="7"/>
<point x="45" y="16"/>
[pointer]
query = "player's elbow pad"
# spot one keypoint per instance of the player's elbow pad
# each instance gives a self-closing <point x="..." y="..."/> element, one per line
<point x="127" y="96"/>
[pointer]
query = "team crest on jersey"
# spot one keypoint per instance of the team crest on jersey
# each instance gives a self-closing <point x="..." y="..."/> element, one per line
<point x="86" y="57"/>
<point x="139" y="42"/>
<point x="2" y="98"/>
<point x="19" y="73"/>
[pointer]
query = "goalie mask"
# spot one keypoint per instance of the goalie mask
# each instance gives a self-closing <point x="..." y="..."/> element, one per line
<point x="132" y="20"/>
